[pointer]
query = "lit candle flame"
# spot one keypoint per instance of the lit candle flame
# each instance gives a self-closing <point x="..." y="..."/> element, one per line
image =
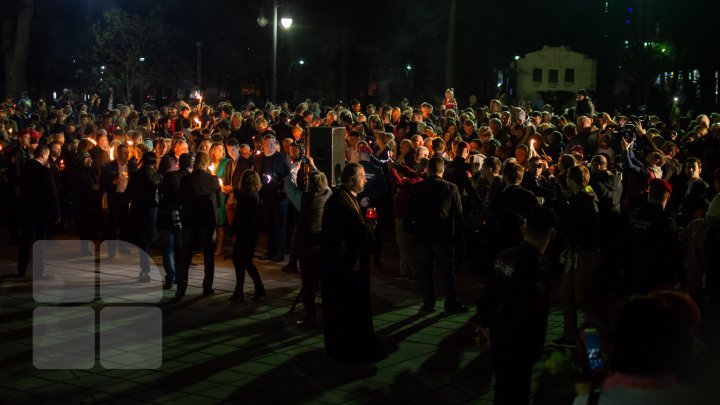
<point x="221" y="182"/>
<point x="130" y="143"/>
<point x="197" y="121"/>
<point x="94" y="142"/>
<point x="112" y="152"/>
<point x="211" y="168"/>
<point x="10" y="131"/>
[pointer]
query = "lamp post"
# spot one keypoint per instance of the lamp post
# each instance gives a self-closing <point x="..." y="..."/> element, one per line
<point x="286" y="22"/>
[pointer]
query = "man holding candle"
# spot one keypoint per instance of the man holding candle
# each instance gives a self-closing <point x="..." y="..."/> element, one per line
<point x="272" y="167"/>
<point x="347" y="315"/>
<point x="114" y="180"/>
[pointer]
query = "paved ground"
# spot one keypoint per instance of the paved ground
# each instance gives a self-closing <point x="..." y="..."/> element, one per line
<point x="215" y="351"/>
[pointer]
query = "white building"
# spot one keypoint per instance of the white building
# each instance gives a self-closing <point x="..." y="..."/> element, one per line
<point x="556" y="69"/>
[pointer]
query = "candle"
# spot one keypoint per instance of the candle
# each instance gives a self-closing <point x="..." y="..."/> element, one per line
<point x="197" y="121"/>
<point x="130" y="143"/>
<point x="221" y="182"/>
<point x="211" y="168"/>
<point x="112" y="152"/>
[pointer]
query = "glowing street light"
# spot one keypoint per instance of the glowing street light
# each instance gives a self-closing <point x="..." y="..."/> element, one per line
<point x="517" y="57"/>
<point x="301" y="62"/>
<point x="408" y="67"/>
<point x="142" y="59"/>
<point x="286" y="22"/>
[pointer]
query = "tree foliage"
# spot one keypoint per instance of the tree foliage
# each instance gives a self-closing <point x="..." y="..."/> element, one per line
<point x="130" y="47"/>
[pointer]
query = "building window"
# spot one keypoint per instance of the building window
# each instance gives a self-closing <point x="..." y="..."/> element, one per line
<point x="569" y="75"/>
<point x="537" y="75"/>
<point x="552" y="76"/>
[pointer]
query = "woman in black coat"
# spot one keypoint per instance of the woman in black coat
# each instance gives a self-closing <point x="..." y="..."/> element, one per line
<point x="245" y="230"/>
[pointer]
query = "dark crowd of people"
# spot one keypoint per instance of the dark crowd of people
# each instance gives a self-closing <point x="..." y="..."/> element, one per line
<point x="614" y="205"/>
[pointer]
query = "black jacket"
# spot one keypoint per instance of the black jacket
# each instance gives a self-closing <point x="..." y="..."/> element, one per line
<point x="376" y="185"/>
<point x="39" y="195"/>
<point x="110" y="172"/>
<point x="654" y="253"/>
<point x="170" y="199"/>
<point x="509" y="211"/>
<point x="608" y="189"/>
<point x="272" y="170"/>
<point x="434" y="211"/>
<point x="199" y="196"/>
<point x="515" y="306"/>
<point x="142" y="190"/>
<point x="309" y="226"/>
<point x="582" y="222"/>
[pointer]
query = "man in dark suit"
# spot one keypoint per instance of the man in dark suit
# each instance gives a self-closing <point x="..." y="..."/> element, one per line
<point x="114" y="181"/>
<point x="282" y="129"/>
<point x="511" y="208"/>
<point x="40" y="208"/>
<point x="142" y="193"/>
<point x="347" y="315"/>
<point x="169" y="224"/>
<point x="199" y="196"/>
<point x="273" y="166"/>
<point x="434" y="216"/>
<point x="110" y="101"/>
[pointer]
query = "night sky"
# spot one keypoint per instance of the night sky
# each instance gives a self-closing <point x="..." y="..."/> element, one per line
<point x="346" y="45"/>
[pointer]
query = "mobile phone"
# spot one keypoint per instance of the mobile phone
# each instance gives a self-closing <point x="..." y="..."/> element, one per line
<point x="593" y="350"/>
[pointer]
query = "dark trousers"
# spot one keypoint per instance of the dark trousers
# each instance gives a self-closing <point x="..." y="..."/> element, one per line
<point x="31" y="232"/>
<point x="116" y="228"/>
<point x="275" y="217"/>
<point x="243" y="252"/>
<point x="144" y="228"/>
<point x="310" y="262"/>
<point x="442" y="255"/>
<point x="196" y="238"/>
<point x="513" y="373"/>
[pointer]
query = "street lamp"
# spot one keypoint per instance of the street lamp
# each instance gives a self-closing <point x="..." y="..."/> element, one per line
<point x="286" y="22"/>
<point x="301" y="61"/>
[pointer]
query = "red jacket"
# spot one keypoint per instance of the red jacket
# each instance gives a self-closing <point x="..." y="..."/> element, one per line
<point x="402" y="185"/>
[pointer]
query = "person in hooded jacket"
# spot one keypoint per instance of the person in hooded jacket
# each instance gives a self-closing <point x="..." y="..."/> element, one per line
<point x="581" y="259"/>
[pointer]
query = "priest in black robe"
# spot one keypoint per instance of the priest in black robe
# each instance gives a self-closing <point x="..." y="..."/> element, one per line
<point x="347" y="316"/>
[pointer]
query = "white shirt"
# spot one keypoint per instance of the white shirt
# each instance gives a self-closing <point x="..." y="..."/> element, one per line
<point x="122" y="178"/>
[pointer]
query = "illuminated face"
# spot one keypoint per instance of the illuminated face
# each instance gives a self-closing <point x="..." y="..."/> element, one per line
<point x="692" y="170"/>
<point x="123" y="155"/>
<point x="269" y="146"/>
<point x="204" y="146"/>
<point x="358" y="185"/>
<point x="233" y="151"/>
<point x="185" y="113"/>
<point x="55" y="150"/>
<point x="180" y="148"/>
<point x="245" y="153"/>
<point x="217" y="153"/>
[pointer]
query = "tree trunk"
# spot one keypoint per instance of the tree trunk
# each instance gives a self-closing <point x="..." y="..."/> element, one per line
<point x="16" y="22"/>
<point x="450" y="47"/>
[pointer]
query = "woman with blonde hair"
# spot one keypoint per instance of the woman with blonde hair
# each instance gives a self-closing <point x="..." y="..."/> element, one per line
<point x="218" y="166"/>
